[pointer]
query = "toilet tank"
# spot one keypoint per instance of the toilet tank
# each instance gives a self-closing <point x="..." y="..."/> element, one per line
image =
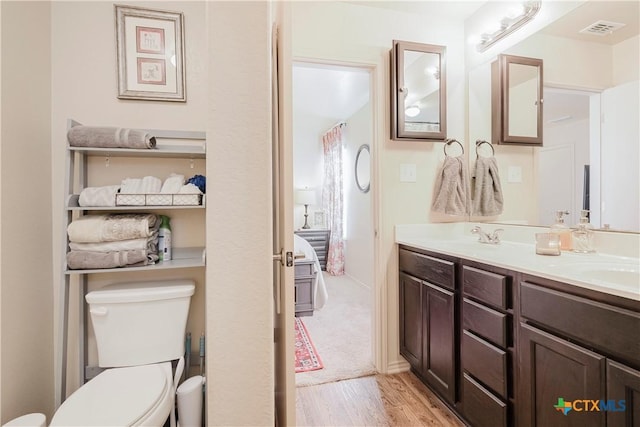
<point x="138" y="323"/>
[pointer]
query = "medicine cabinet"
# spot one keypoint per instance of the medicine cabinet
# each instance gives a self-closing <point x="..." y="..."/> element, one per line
<point x="516" y="98"/>
<point x="418" y="91"/>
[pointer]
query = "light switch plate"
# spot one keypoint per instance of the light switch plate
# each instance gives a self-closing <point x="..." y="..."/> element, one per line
<point x="408" y="172"/>
<point x="514" y="174"/>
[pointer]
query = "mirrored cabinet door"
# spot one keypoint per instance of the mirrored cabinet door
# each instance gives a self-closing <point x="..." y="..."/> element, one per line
<point x="517" y="100"/>
<point x="418" y="91"/>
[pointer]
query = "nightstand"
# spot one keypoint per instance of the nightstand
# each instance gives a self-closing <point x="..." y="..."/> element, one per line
<point x="319" y="241"/>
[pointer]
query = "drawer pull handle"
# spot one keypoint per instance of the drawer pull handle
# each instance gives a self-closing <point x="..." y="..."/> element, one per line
<point x="437" y="270"/>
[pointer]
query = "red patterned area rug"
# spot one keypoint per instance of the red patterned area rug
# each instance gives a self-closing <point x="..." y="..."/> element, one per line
<point x="307" y="358"/>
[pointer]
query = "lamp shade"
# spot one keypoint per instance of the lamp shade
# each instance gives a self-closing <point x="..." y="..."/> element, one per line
<point x="305" y="196"/>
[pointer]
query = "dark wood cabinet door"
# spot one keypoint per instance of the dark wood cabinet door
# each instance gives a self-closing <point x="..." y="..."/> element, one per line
<point x="623" y="384"/>
<point x="411" y="320"/>
<point x="552" y="369"/>
<point x="438" y="343"/>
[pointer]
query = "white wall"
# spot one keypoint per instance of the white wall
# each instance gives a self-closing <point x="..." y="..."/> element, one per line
<point x="26" y="336"/>
<point x="626" y="67"/>
<point x="620" y="157"/>
<point x="308" y="163"/>
<point x="353" y="33"/>
<point x="239" y="241"/>
<point x="359" y="261"/>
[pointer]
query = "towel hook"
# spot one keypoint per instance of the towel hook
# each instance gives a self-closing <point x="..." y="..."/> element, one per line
<point x="479" y="142"/>
<point x="191" y="165"/>
<point x="448" y="142"/>
<point x="107" y="159"/>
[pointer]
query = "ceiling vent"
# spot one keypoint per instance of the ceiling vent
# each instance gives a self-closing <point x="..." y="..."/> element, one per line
<point x="602" y="28"/>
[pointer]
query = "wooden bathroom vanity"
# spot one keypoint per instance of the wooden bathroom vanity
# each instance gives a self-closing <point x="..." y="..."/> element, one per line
<point x="504" y="347"/>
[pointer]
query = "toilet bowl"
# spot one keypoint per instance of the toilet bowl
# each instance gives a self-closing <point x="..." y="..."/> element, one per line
<point x="29" y="420"/>
<point x="131" y="396"/>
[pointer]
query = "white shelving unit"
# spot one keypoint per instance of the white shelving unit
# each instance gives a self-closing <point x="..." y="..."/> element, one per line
<point x="192" y="146"/>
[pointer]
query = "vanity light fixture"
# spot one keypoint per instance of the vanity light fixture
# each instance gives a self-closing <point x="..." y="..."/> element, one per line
<point x="508" y="24"/>
<point x="412" y="111"/>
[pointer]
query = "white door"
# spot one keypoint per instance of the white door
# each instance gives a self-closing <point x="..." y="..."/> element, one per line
<point x="283" y="274"/>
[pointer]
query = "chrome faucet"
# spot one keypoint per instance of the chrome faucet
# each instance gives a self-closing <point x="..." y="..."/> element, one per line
<point x="484" y="237"/>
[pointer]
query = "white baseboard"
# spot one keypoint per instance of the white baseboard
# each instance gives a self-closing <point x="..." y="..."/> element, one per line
<point x="397" y="366"/>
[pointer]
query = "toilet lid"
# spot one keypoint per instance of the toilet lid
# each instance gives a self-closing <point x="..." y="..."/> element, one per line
<point x="116" y="397"/>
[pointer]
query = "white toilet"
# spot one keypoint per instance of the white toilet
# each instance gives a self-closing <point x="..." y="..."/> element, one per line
<point x="139" y="329"/>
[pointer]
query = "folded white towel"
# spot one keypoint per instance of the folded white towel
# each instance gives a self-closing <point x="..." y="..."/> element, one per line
<point x="151" y="185"/>
<point x="131" y="186"/>
<point x="172" y="184"/>
<point x="189" y="189"/>
<point x="99" y="196"/>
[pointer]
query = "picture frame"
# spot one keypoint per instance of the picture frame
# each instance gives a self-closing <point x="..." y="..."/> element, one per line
<point x="150" y="54"/>
<point x="319" y="219"/>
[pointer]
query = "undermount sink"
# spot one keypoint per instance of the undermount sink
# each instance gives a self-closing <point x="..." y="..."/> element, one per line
<point x="622" y="274"/>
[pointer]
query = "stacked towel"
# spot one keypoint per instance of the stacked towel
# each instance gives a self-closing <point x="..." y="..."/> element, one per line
<point x="109" y="137"/>
<point x="146" y="185"/>
<point x="452" y="194"/>
<point x="487" y="199"/>
<point x="172" y="184"/>
<point x="113" y="240"/>
<point x="99" y="196"/>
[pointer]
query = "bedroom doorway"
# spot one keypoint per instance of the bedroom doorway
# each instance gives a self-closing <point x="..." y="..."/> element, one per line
<point x="326" y="96"/>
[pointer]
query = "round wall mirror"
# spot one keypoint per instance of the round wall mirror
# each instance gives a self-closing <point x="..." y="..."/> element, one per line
<point x="363" y="168"/>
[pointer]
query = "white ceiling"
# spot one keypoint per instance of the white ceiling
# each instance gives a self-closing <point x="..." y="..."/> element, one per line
<point x="623" y="12"/>
<point x="450" y="9"/>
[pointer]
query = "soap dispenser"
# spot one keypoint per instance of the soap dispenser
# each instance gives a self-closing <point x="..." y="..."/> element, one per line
<point x="583" y="234"/>
<point x="560" y="228"/>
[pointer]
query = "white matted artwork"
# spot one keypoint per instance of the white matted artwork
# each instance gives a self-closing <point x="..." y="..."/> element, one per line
<point x="150" y="46"/>
<point x="319" y="219"/>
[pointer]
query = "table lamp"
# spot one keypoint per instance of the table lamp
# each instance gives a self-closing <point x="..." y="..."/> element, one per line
<point x="306" y="197"/>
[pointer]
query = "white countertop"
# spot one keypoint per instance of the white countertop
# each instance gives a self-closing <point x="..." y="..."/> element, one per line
<point x="611" y="273"/>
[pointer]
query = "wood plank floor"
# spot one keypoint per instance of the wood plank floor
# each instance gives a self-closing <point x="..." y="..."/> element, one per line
<point x="379" y="400"/>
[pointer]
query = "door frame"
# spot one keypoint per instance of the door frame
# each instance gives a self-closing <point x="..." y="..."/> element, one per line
<point x="379" y="295"/>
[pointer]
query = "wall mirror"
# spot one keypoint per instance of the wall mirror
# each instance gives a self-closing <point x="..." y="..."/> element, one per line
<point x="516" y="84"/>
<point x="363" y="168"/>
<point x="418" y="91"/>
<point x="590" y="126"/>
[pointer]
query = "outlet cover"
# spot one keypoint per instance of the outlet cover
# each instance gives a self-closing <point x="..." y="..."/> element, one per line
<point x="514" y="174"/>
<point x="408" y="172"/>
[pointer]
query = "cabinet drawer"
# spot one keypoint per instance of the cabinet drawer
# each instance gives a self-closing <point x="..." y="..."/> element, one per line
<point x="303" y="294"/>
<point x="427" y="268"/>
<point x="303" y="268"/>
<point x="612" y="329"/>
<point x="485" y="286"/>
<point x="485" y="322"/>
<point x="481" y="408"/>
<point x="485" y="362"/>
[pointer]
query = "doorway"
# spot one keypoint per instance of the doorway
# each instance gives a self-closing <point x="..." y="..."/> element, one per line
<point x="342" y="330"/>
<point x="571" y="151"/>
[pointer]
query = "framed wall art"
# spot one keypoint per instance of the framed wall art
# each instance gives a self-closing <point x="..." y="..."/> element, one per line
<point x="319" y="219"/>
<point x="150" y="54"/>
